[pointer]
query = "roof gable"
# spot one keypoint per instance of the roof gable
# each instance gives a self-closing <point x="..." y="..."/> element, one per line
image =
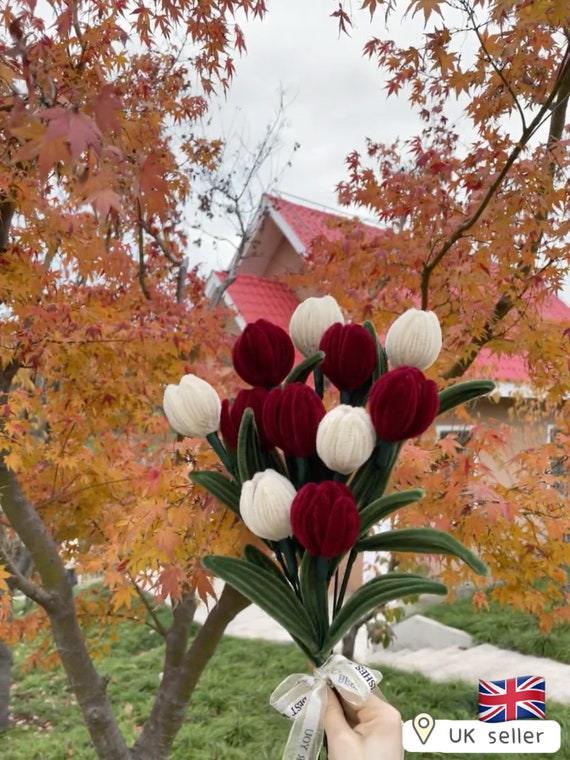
<point x="253" y="296"/>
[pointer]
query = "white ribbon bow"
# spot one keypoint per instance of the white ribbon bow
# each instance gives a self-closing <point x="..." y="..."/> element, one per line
<point x="303" y="699"/>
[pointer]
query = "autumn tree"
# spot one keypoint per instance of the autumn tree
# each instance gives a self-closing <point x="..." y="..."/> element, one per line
<point x="99" y="103"/>
<point x="473" y="221"/>
<point x="98" y="107"/>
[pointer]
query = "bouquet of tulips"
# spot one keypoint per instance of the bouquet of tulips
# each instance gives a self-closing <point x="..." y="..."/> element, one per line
<point x="310" y="483"/>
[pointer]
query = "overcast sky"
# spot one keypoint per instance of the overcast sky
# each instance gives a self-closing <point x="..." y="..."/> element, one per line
<point x="336" y="96"/>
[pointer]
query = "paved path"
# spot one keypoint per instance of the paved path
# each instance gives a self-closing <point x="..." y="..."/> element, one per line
<point x="448" y="664"/>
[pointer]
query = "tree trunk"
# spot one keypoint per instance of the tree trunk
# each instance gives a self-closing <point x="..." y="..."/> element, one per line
<point x="349" y="641"/>
<point x="183" y="668"/>
<point x="5" y="684"/>
<point x="56" y="597"/>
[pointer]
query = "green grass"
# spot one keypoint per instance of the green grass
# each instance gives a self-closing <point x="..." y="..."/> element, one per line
<point x="229" y="718"/>
<point x="505" y="627"/>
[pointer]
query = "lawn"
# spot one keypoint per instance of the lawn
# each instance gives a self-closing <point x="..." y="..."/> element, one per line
<point x="229" y="717"/>
<point x="506" y="628"/>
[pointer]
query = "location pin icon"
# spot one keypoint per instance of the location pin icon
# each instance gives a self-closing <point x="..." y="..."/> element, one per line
<point x="423" y="725"/>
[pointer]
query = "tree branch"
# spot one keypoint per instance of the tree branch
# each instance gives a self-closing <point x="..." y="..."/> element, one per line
<point x="181" y="279"/>
<point x="160" y="241"/>
<point x="506" y="302"/>
<point x="22" y="583"/>
<point x="559" y="85"/>
<point x="7" y="209"/>
<point x="140" y="242"/>
<point x="492" y="63"/>
<point x="142" y="596"/>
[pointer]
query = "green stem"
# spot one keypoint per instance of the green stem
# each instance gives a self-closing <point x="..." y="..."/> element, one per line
<point x="350" y="562"/>
<point x="335" y="590"/>
<point x="283" y="563"/>
<point x="214" y="441"/>
<point x="319" y="382"/>
<point x="291" y="561"/>
<point x="302" y="471"/>
<point x="322" y="597"/>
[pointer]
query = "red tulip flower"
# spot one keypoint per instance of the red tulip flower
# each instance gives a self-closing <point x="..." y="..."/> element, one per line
<point x="291" y="417"/>
<point x="403" y="404"/>
<point x="350" y="355"/>
<point x="325" y="519"/>
<point x="263" y="355"/>
<point x="230" y="418"/>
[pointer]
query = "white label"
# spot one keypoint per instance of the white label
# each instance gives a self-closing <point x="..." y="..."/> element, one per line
<point x="463" y="736"/>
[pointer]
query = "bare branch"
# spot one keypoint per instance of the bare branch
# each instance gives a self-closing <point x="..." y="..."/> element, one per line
<point x="149" y="608"/>
<point x="140" y="241"/>
<point x="181" y="279"/>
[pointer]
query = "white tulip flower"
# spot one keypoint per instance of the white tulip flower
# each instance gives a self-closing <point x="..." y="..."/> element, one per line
<point x="192" y="407"/>
<point x="310" y="320"/>
<point x="414" y="339"/>
<point x="265" y="505"/>
<point x="345" y="438"/>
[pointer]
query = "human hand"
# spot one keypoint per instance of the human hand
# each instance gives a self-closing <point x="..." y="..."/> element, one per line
<point x="370" y="732"/>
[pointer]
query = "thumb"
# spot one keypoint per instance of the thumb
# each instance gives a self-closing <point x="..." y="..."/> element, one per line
<point x="335" y="723"/>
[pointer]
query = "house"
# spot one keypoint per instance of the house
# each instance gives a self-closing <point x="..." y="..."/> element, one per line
<point x="282" y="232"/>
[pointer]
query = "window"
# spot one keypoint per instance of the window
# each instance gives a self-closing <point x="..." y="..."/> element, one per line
<point x="558" y="463"/>
<point x="461" y="433"/>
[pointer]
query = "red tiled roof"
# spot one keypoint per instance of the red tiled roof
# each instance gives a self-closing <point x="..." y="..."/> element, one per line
<point x="506" y="369"/>
<point x="260" y="298"/>
<point x="308" y="223"/>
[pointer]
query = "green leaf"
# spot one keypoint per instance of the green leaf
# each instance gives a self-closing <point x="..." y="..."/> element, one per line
<point x="267" y="591"/>
<point x="423" y="541"/>
<point x="301" y="372"/>
<point x="375" y="593"/>
<point x="370" y="481"/>
<point x="225" y="490"/>
<point x="313" y="579"/>
<point x="461" y="392"/>
<point x="256" y="557"/>
<point x="382" y="360"/>
<point x="386" y="505"/>
<point x="249" y="457"/>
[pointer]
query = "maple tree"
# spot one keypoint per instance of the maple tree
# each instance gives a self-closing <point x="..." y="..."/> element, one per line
<point x="99" y="110"/>
<point x="473" y="222"/>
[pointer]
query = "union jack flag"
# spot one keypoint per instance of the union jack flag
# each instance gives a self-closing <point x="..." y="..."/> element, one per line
<point x="512" y="699"/>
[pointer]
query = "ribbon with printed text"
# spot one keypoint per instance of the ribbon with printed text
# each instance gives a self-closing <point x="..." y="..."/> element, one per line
<point x="302" y="698"/>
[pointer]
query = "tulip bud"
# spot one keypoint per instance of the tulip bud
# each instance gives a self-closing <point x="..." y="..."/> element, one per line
<point x="345" y="438"/>
<point x="325" y="518"/>
<point x="230" y="419"/>
<point x="192" y="407"/>
<point x="291" y="416"/>
<point x="310" y="321"/>
<point x="350" y="355"/>
<point x="263" y="355"/>
<point x="265" y="505"/>
<point x="414" y="339"/>
<point x="403" y="404"/>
